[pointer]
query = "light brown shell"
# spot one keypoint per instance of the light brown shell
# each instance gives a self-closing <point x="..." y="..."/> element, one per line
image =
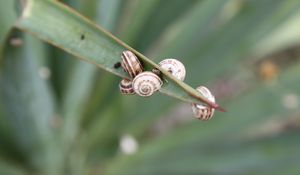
<point x="131" y="64"/>
<point x="175" y="67"/>
<point x="125" y="87"/>
<point x="203" y="112"/>
<point x="146" y="83"/>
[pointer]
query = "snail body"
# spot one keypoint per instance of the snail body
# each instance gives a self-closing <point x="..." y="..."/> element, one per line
<point x="203" y="112"/>
<point x="146" y="83"/>
<point x="175" y="67"/>
<point x="125" y="87"/>
<point x="131" y="64"/>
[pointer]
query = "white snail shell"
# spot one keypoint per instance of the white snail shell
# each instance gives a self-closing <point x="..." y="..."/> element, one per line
<point x="125" y="86"/>
<point x="203" y="112"/>
<point x="131" y="64"/>
<point x="146" y="83"/>
<point x="175" y="67"/>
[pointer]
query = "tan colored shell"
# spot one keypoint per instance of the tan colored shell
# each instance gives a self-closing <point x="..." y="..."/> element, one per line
<point x="175" y="67"/>
<point x="125" y="86"/>
<point x="131" y="64"/>
<point x="146" y="83"/>
<point x="203" y="112"/>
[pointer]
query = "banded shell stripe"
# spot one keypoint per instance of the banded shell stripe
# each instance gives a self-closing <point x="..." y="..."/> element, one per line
<point x="146" y="83"/>
<point x="131" y="64"/>
<point x="125" y="87"/>
<point x="203" y="112"/>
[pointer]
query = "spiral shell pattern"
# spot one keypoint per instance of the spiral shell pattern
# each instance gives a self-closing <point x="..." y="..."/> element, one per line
<point x="175" y="67"/>
<point x="146" y="83"/>
<point x="125" y="87"/>
<point x="203" y="112"/>
<point x="131" y="64"/>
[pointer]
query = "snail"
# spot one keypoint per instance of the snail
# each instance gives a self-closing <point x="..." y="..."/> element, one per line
<point x="146" y="83"/>
<point x="131" y="64"/>
<point x="203" y="112"/>
<point x="175" y="67"/>
<point x="125" y="86"/>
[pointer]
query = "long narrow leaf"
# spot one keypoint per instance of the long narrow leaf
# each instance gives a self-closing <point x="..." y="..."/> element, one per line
<point x="83" y="39"/>
<point x="29" y="106"/>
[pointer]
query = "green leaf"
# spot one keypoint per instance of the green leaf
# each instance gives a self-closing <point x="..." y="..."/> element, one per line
<point x="221" y="43"/>
<point x="29" y="105"/>
<point x="212" y="45"/>
<point x="83" y="39"/>
<point x="228" y="128"/>
<point x="232" y="157"/>
<point x="141" y="19"/>
<point x="160" y="20"/>
<point x="80" y="85"/>
<point x="10" y="169"/>
<point x="7" y="20"/>
<point x="198" y="16"/>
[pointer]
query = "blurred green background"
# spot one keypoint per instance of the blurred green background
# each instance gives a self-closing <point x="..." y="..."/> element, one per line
<point x="59" y="115"/>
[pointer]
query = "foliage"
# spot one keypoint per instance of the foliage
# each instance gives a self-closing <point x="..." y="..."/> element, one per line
<point x="59" y="115"/>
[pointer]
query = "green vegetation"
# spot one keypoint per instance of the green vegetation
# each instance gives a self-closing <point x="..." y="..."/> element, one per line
<point x="61" y="115"/>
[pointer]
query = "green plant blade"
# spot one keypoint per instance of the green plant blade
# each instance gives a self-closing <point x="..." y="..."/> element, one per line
<point x="232" y="157"/>
<point x="29" y="105"/>
<point x="11" y="169"/>
<point x="142" y="19"/>
<point x="80" y="85"/>
<point x="7" y="20"/>
<point x="149" y="18"/>
<point x="221" y="46"/>
<point x="204" y="45"/>
<point x="78" y="36"/>
<point x="196" y="19"/>
<point x="234" y="125"/>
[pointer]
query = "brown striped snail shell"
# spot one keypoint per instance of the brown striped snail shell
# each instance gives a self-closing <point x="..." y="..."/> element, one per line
<point x="203" y="112"/>
<point x="125" y="87"/>
<point x="146" y="83"/>
<point x="131" y="64"/>
<point x="175" y="67"/>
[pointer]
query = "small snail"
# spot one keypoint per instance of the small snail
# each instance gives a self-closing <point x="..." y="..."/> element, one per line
<point x="131" y="64"/>
<point x="125" y="86"/>
<point x="146" y="83"/>
<point x="175" y="67"/>
<point x="203" y="112"/>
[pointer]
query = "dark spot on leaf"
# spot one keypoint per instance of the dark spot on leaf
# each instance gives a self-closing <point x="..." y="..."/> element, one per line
<point x="82" y="37"/>
<point x="117" y="65"/>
